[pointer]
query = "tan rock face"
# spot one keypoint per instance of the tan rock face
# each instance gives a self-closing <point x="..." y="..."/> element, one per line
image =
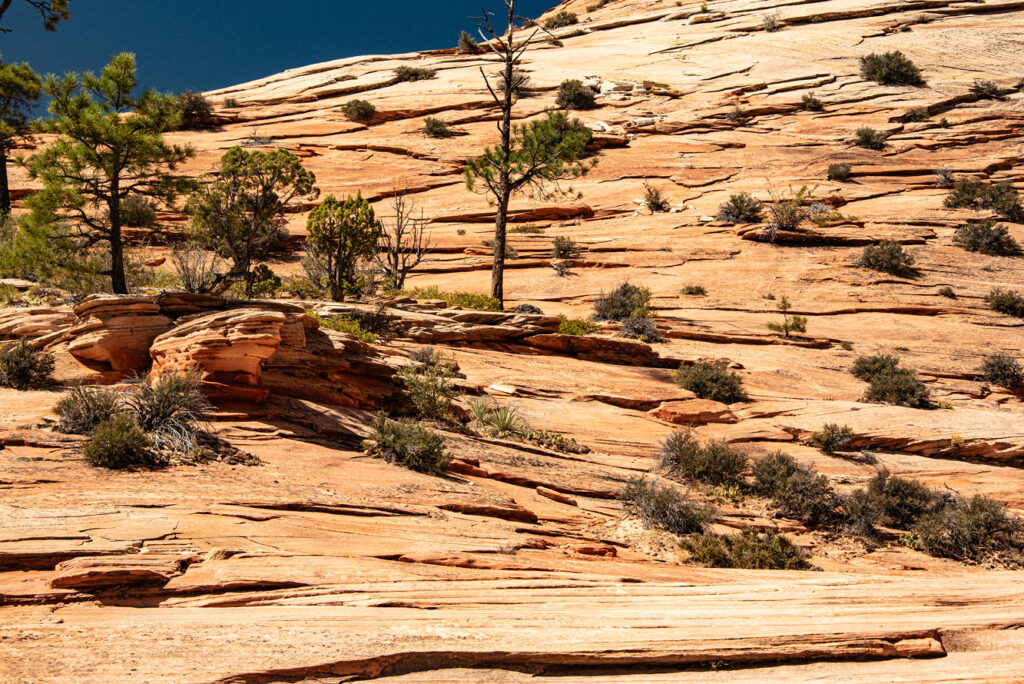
<point x="116" y="331"/>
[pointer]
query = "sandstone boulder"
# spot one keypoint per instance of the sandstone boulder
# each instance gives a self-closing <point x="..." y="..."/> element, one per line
<point x="115" y="331"/>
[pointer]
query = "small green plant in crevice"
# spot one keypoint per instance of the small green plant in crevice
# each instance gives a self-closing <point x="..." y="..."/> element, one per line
<point x="947" y="291"/>
<point x="561" y="20"/>
<point x="436" y="128"/>
<point x="790" y="323"/>
<point x="359" y="110"/>
<point x="119" y="443"/>
<point x="832" y="438"/>
<point x="890" y="383"/>
<point x="344" y="324"/>
<point x="839" y="171"/>
<point x="23" y="367"/>
<point x="654" y="200"/>
<point x="916" y="115"/>
<point x="231" y="103"/>
<point x="787" y="210"/>
<point x="500" y="421"/>
<point x="640" y="328"/>
<point x="710" y="462"/>
<point x="575" y="326"/>
<point x="431" y="384"/>
<point x="528" y="229"/>
<point x="564" y="248"/>
<point x="891" y="68"/>
<point x="772" y="22"/>
<point x="811" y="103"/>
<point x="406" y="73"/>
<point x="572" y="94"/>
<point x="888" y="257"/>
<point x="697" y="290"/>
<point x="465" y="300"/>
<point x="1006" y="302"/>
<point x="408" y="444"/>
<point x="741" y="208"/>
<point x="944" y="177"/>
<point x="712" y="380"/>
<point x="1003" y="370"/>
<point x="623" y="302"/>
<point x="749" y="550"/>
<point x="987" y="90"/>
<point x="81" y="409"/>
<point x="986" y="237"/>
<point x="663" y="507"/>
<point x="870" y="138"/>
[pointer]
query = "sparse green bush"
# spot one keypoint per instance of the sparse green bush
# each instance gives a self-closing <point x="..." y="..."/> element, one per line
<point x="1006" y="302"/>
<point x="344" y="324"/>
<point x="772" y="22"/>
<point x="407" y="73"/>
<point x="170" y="409"/>
<point x="431" y="386"/>
<point x="902" y="502"/>
<point x="654" y="201"/>
<point x="900" y="387"/>
<point x="231" y="103"/>
<point x="436" y="128"/>
<point x="359" y="110"/>
<point x="750" y="550"/>
<point x="891" y="68"/>
<point x="119" y="443"/>
<point x="741" y="208"/>
<point x="801" y="494"/>
<point x="811" y="103"/>
<point x="1000" y="197"/>
<point x="9" y="294"/>
<point x="640" y="328"/>
<point x="694" y="290"/>
<point x="624" y="301"/>
<point x="789" y="323"/>
<point x="663" y="507"/>
<point x="81" y="409"/>
<point x="970" y="529"/>
<point x="529" y="229"/>
<point x="839" y="172"/>
<point x="561" y="20"/>
<point x="502" y="421"/>
<point x="137" y="212"/>
<point x="867" y="367"/>
<point x="24" y="367"/>
<point x="465" y="300"/>
<point x="1003" y="370"/>
<point x="196" y="111"/>
<point x="789" y="212"/>
<point x="408" y="444"/>
<point x="712" y="380"/>
<point x="870" y="138"/>
<point x="572" y="94"/>
<point x="467" y="45"/>
<point x="986" y="237"/>
<point x="917" y="114"/>
<point x="711" y="462"/>
<point x="986" y="90"/>
<point x="832" y="438"/>
<point x="771" y="472"/>
<point x="888" y="257"/>
<point x="564" y="248"/>
<point x="947" y="291"/>
<point x="575" y="326"/>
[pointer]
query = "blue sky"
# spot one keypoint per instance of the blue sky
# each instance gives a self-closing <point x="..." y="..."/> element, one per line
<point x="207" y="44"/>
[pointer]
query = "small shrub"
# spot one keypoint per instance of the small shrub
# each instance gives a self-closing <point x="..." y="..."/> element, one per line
<point x="623" y="302"/>
<point x="970" y="529"/>
<point x="9" y="294"/>
<point x="119" y="443"/>
<point x="867" y="367"/>
<point x="572" y="94"/>
<point x="737" y="115"/>
<point x="1006" y="302"/>
<point x="710" y="462"/>
<point x="808" y="497"/>
<point x="467" y="45"/>
<point x="839" y="172"/>
<point x="564" y="248"/>
<point x="891" y="68"/>
<point x="81" y="409"/>
<point x="741" y="208"/>
<point x="986" y="237"/>
<point x="640" y="328"/>
<point x="771" y="472"/>
<point x="750" y="550"/>
<point x="662" y="507"/>
<point x="870" y="138"/>
<point x="196" y="111"/>
<point x="407" y="73"/>
<point x="23" y="367"/>
<point x="789" y="323"/>
<point x="170" y="409"/>
<point x="712" y="380"/>
<point x="231" y="103"/>
<point x="947" y="291"/>
<point x="529" y="229"/>
<point x="359" y="110"/>
<point x="528" y="309"/>
<point x="1003" y="370"/>
<point x="832" y="438"/>
<point x="789" y="212"/>
<point x="431" y="386"/>
<point x="575" y="326"/>
<point x="502" y="421"/>
<point x="902" y="502"/>
<point x="944" y="178"/>
<point x="408" y="444"/>
<point x="435" y="128"/>
<point x="345" y="324"/>
<point x="811" y="103"/>
<point x="916" y="115"/>
<point x="561" y="20"/>
<point x="986" y="90"/>
<point x="137" y="212"/>
<point x="1000" y="197"/>
<point x="465" y="300"/>
<point x="888" y="257"/>
<point x="899" y="387"/>
<point x="654" y="201"/>
<point x="694" y="290"/>
<point x="196" y="267"/>
<point x="263" y="283"/>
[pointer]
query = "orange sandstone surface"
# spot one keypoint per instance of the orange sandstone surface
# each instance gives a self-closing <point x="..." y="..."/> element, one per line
<point x="323" y="564"/>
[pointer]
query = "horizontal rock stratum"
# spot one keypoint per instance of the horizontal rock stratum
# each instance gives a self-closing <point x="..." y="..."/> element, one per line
<point x="323" y="564"/>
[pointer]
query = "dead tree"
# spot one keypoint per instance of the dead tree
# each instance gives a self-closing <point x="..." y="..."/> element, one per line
<point x="403" y="243"/>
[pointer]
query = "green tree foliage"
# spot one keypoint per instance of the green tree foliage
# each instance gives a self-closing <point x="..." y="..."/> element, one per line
<point x="340" y="234"/>
<point x="52" y="12"/>
<point x="20" y="88"/>
<point x="239" y="210"/>
<point x="102" y="155"/>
